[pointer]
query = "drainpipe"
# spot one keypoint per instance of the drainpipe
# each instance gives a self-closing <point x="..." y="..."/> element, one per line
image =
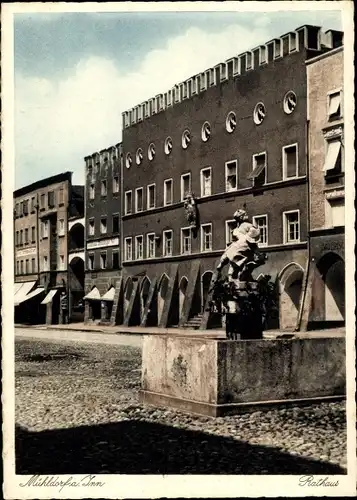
<point x="307" y="270"/>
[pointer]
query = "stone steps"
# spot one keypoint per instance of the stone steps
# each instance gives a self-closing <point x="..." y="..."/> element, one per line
<point x="194" y="323"/>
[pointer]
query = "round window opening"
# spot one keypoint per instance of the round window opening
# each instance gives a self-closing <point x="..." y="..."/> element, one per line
<point x="289" y="103"/>
<point x="151" y="151"/>
<point x="206" y="131"/>
<point x="128" y="160"/>
<point x="231" y="122"/>
<point x="186" y="139"/>
<point x="259" y="113"/>
<point x="168" y="145"/>
<point x="139" y="156"/>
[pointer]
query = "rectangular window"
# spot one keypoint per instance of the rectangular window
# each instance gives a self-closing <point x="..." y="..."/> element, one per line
<point x="335" y="212"/>
<point x="291" y="226"/>
<point x="103" y="225"/>
<point x="116" y="184"/>
<point x="17" y="238"/>
<point x="290" y="161"/>
<point x="27" y="266"/>
<point x="17" y="267"/>
<point x="26" y="236"/>
<point x="22" y="267"/>
<point x="45" y="263"/>
<point x="334" y="105"/>
<point x="139" y="200"/>
<point x="151" y="196"/>
<point x="115" y="260"/>
<point x="206" y="237"/>
<point x="150" y="245"/>
<point x="333" y="158"/>
<point x="230" y="226"/>
<point x="45" y="226"/>
<point x="261" y="221"/>
<point x="128" y="249"/>
<point x="115" y="223"/>
<point x="103" y="260"/>
<point x="206" y="182"/>
<point x="186" y="240"/>
<point x="91" y="262"/>
<point x="51" y="199"/>
<point x="61" y="227"/>
<point x="61" y="196"/>
<point x="103" y="188"/>
<point x="17" y="210"/>
<point x="128" y="203"/>
<point x="139" y="247"/>
<point x="168" y="192"/>
<point x="33" y="265"/>
<point x="21" y="209"/>
<point x="91" y="192"/>
<point x="21" y="237"/>
<point x="167" y="243"/>
<point x="33" y="203"/>
<point x="26" y="207"/>
<point x="185" y="185"/>
<point x="91" y="227"/>
<point x="61" y="262"/>
<point x="231" y="175"/>
<point x="259" y="171"/>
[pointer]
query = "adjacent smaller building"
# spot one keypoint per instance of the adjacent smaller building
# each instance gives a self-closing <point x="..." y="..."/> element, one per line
<point x="41" y="216"/>
<point x="103" y="222"/>
<point x="325" y="291"/>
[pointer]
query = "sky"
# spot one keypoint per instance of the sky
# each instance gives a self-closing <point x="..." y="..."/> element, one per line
<point x="75" y="73"/>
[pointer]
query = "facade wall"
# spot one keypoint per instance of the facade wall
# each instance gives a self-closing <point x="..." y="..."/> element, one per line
<point x="264" y="121"/>
<point x="325" y="76"/>
<point x="325" y="296"/>
<point x="56" y="214"/>
<point x="104" y="166"/>
<point x="52" y="202"/>
<point x="39" y="247"/>
<point x="25" y="250"/>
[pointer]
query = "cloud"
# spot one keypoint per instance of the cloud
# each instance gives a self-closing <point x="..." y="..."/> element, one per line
<point x="60" y="122"/>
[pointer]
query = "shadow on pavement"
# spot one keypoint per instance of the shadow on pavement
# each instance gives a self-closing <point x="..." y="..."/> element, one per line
<point x="139" y="447"/>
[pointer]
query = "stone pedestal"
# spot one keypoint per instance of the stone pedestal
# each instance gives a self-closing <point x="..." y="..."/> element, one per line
<point x="214" y="377"/>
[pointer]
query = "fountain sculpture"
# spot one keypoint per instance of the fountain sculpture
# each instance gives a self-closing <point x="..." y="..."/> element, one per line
<point x="238" y="296"/>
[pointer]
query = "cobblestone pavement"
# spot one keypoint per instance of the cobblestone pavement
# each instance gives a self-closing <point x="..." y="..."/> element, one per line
<point x="77" y="411"/>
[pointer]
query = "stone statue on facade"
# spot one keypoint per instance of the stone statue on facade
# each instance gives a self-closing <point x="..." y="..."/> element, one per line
<point x="190" y="207"/>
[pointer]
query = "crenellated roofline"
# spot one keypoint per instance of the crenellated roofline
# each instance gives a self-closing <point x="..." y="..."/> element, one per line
<point x="261" y="55"/>
<point x="103" y="155"/>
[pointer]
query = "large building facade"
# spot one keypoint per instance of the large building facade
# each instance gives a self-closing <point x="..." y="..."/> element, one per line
<point x="42" y="215"/>
<point x="103" y="221"/>
<point x="231" y="137"/>
<point x="325" y="301"/>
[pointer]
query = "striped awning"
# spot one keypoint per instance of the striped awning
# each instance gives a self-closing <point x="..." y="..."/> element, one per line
<point x="94" y="294"/>
<point x="29" y="296"/>
<point x="109" y="295"/>
<point x="49" y="296"/>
